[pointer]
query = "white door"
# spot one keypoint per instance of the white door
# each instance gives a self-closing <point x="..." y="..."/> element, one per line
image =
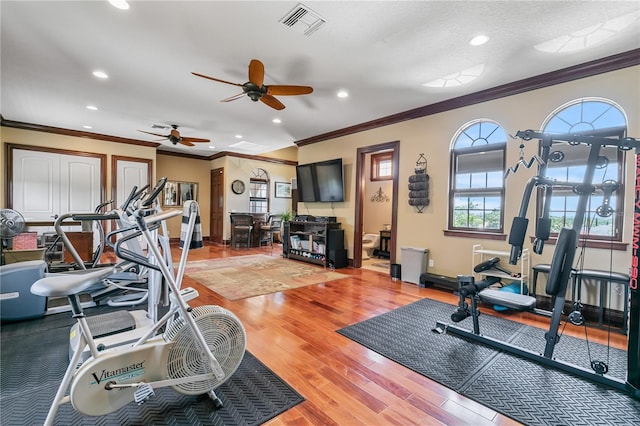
<point x="47" y="184"/>
<point x="128" y="175"/>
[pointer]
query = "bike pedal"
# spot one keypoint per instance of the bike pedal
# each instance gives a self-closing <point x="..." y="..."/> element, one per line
<point x="143" y="393"/>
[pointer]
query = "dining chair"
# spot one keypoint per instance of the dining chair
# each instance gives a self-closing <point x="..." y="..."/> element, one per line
<point x="241" y="230"/>
<point x="269" y="228"/>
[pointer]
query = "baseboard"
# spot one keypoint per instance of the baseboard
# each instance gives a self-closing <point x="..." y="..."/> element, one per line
<point x="611" y="317"/>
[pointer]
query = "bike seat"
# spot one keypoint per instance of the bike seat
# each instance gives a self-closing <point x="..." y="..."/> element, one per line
<point x="67" y="284"/>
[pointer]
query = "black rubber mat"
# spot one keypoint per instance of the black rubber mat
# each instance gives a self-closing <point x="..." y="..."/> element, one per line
<point x="34" y="356"/>
<point x="518" y="388"/>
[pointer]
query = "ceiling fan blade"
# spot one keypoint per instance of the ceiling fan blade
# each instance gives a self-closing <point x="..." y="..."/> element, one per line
<point x="233" y="98"/>
<point x="216" y="79"/>
<point x="272" y="102"/>
<point x="186" y="142"/>
<point x="154" y="134"/>
<point x="283" y="90"/>
<point x="184" y="139"/>
<point x="256" y="72"/>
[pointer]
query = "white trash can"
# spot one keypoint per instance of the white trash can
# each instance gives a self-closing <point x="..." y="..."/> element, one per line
<point x="414" y="263"/>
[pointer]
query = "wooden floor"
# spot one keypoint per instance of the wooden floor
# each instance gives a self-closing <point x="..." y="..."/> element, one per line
<point x="344" y="383"/>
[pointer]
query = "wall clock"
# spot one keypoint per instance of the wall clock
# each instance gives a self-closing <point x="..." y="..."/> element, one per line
<point x="237" y="186"/>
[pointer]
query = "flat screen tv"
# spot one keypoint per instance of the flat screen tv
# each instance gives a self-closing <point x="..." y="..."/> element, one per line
<point x="320" y="182"/>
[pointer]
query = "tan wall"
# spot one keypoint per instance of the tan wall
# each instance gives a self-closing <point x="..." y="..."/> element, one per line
<point x="183" y="169"/>
<point x="289" y="153"/>
<point x="241" y="168"/>
<point x="50" y="140"/>
<point x="429" y="135"/>
<point x="432" y="136"/>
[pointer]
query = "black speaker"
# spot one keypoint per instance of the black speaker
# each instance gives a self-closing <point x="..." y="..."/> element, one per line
<point x="336" y="254"/>
<point x="285" y="239"/>
<point x="326" y="219"/>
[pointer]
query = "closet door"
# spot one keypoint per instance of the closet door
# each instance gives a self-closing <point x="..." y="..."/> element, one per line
<point x="46" y="184"/>
<point x="79" y="183"/>
<point x="35" y="181"/>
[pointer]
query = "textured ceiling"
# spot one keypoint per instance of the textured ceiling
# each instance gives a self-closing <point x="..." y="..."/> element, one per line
<point x="381" y="52"/>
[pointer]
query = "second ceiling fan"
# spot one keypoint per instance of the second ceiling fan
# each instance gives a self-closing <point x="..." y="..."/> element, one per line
<point x="257" y="91"/>
<point x="175" y="138"/>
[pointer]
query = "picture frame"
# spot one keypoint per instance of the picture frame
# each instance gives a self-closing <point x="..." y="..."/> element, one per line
<point x="283" y="190"/>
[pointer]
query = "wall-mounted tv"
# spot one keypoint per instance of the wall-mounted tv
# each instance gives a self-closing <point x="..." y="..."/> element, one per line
<point x="320" y="182"/>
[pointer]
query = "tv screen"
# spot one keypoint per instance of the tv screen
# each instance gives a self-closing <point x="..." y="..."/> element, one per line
<point x="329" y="179"/>
<point x="321" y="181"/>
<point x="306" y="187"/>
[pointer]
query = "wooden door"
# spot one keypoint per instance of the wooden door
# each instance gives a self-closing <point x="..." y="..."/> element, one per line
<point x="216" y="224"/>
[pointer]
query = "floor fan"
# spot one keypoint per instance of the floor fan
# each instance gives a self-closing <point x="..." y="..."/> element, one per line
<point x="11" y="224"/>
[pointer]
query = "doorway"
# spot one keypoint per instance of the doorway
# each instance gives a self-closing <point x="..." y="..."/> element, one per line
<point x="361" y="158"/>
<point x="216" y="224"/>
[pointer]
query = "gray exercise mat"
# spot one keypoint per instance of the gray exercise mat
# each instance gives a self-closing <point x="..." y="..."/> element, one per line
<point x="34" y="357"/>
<point x="518" y="388"/>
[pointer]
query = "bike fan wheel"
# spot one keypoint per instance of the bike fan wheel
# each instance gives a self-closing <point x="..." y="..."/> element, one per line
<point x="226" y="339"/>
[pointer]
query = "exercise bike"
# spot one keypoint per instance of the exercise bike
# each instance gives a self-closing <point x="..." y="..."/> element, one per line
<point x="199" y="350"/>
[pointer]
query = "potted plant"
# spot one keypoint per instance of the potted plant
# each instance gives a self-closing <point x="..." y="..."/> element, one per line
<point x="286" y="216"/>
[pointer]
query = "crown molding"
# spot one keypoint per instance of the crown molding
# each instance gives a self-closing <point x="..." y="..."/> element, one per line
<point x="576" y="72"/>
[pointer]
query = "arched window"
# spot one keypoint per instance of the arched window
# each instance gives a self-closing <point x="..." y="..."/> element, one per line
<point x="259" y="191"/>
<point x="476" y="191"/>
<point x="589" y="117"/>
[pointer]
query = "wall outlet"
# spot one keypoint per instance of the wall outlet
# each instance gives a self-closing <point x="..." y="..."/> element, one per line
<point x="430" y="263"/>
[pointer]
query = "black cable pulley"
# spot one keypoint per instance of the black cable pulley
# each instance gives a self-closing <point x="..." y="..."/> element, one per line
<point x="576" y="318"/>
<point x="599" y="367"/>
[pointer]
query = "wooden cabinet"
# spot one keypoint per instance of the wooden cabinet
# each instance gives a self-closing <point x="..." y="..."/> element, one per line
<point x="83" y="243"/>
<point x="321" y="243"/>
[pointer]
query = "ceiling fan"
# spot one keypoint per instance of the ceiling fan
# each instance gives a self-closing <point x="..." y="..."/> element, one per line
<point x="257" y="91"/>
<point x="175" y="138"/>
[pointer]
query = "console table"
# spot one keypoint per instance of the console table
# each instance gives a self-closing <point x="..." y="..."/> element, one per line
<point x="321" y="243"/>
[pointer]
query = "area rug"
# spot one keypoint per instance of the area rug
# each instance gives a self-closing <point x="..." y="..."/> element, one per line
<point x="518" y="388"/>
<point x="240" y="277"/>
<point x="35" y="355"/>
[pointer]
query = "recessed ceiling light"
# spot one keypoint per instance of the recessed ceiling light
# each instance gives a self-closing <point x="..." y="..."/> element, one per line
<point x="100" y="74"/>
<point x="238" y="136"/>
<point x="277" y="120"/>
<point x="212" y="147"/>
<point x="478" y="40"/>
<point x="87" y="127"/>
<point x="92" y="108"/>
<point x="343" y="94"/>
<point x="120" y="4"/>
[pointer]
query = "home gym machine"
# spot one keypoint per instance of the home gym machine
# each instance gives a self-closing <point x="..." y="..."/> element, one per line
<point x="193" y="350"/>
<point x="561" y="263"/>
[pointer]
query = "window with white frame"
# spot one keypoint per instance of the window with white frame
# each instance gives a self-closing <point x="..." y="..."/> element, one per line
<point x="259" y="191"/>
<point x="476" y="191"/>
<point x="382" y="166"/>
<point x="587" y="117"/>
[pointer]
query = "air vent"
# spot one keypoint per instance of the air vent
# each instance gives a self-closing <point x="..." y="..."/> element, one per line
<point x="303" y="19"/>
<point x="160" y="126"/>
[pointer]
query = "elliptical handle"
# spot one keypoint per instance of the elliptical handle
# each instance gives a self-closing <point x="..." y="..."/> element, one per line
<point x="154" y="192"/>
